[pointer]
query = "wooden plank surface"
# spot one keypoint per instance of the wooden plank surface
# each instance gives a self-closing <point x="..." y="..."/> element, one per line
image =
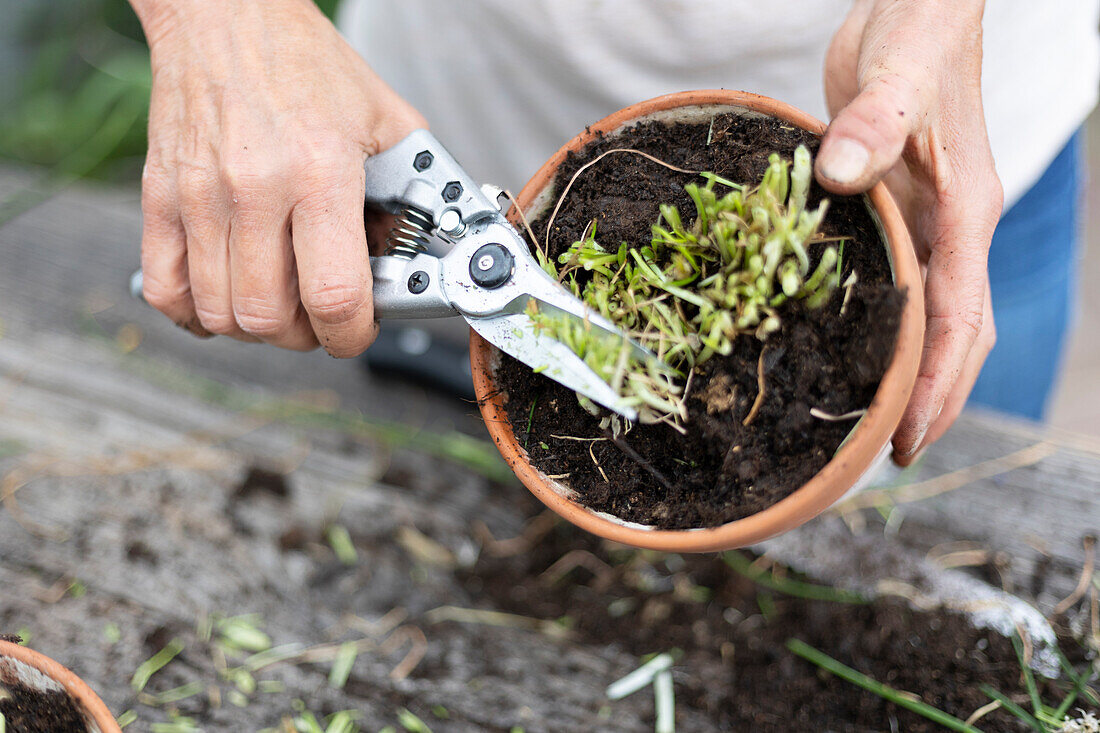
<point x="125" y="475"/>
<point x="132" y="492"/>
<point x="65" y="268"/>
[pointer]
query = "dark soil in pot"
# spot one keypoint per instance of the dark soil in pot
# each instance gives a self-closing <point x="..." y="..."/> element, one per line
<point x="33" y="711"/>
<point x="720" y="470"/>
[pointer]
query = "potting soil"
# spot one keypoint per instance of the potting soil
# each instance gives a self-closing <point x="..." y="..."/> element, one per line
<point x="33" y="711"/>
<point x="831" y="358"/>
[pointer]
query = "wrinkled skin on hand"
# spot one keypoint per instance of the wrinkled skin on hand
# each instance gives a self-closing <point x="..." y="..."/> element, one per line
<point x="903" y="83"/>
<point x="261" y="118"/>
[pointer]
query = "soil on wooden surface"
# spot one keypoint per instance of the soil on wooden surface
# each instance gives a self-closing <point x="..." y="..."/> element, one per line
<point x="32" y="711"/>
<point x="735" y="667"/>
<point x="720" y="470"/>
<point x="734" y="672"/>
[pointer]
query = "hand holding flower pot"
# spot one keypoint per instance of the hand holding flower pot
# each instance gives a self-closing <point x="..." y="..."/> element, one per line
<point x="903" y="83"/>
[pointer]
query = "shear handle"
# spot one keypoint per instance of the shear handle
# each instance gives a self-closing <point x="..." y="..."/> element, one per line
<point x="409" y="288"/>
<point x="419" y="172"/>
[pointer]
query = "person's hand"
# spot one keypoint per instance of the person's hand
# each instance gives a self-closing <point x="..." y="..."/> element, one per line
<point x="260" y="120"/>
<point x="903" y="83"/>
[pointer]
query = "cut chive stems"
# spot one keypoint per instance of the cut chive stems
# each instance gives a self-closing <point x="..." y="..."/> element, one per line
<point x="154" y="664"/>
<point x="639" y="678"/>
<point x="341" y="666"/>
<point x="693" y="288"/>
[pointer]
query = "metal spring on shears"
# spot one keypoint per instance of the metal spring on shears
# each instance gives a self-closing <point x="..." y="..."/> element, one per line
<point x="410" y="234"/>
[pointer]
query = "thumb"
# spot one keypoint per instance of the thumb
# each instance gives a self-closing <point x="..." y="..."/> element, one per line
<point x="866" y="138"/>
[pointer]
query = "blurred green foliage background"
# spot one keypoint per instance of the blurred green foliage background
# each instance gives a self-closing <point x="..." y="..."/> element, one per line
<point x="74" y="88"/>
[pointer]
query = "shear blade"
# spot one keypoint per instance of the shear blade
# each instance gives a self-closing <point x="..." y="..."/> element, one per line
<point x="551" y="296"/>
<point x="516" y="335"/>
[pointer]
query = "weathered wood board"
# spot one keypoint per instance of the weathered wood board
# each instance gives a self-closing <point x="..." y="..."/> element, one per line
<point x="122" y="473"/>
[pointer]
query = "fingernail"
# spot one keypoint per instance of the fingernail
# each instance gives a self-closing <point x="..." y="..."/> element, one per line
<point x="195" y="327"/>
<point x="917" y="443"/>
<point x="904" y="461"/>
<point x="845" y="161"/>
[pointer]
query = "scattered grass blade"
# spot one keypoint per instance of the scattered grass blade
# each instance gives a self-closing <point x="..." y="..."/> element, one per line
<point x="154" y="664"/>
<point x="789" y="586"/>
<point x="1023" y="715"/>
<point x="872" y="685"/>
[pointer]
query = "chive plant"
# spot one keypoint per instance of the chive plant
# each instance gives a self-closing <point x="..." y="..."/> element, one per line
<point x="689" y="292"/>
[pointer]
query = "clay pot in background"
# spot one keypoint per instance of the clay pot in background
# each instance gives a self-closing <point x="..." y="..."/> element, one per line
<point x="22" y="666"/>
<point x="866" y="446"/>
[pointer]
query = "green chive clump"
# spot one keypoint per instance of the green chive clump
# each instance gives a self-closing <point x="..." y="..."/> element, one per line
<point x="693" y="289"/>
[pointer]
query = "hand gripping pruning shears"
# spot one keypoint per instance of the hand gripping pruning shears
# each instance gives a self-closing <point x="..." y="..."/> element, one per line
<point x="484" y="271"/>
<point x="452" y="252"/>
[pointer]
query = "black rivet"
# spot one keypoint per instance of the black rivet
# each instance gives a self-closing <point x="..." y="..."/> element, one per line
<point x="423" y="161"/>
<point x="418" y="282"/>
<point x="452" y="191"/>
<point x="491" y="266"/>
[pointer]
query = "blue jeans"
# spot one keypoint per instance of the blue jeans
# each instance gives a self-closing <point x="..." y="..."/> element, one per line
<point x="1033" y="273"/>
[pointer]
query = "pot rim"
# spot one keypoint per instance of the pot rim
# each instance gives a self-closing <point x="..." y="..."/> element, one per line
<point x="74" y="685"/>
<point x="869" y="439"/>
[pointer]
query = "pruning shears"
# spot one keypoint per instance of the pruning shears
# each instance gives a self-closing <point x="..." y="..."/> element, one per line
<point x="452" y="252"/>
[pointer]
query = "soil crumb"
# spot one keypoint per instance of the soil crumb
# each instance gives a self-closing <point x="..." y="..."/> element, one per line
<point x="261" y="480"/>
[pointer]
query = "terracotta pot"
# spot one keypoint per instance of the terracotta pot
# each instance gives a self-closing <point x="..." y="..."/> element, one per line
<point x="867" y="445"/>
<point x="39" y="672"/>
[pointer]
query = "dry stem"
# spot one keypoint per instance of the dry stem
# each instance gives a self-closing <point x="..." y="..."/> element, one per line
<point x="822" y="415"/>
<point x="635" y="456"/>
<point x="948" y="481"/>
<point x="597" y="463"/>
<point x="579" y="559"/>
<point x="983" y="711"/>
<point x="526" y="224"/>
<point x="760" y="391"/>
<point x="533" y="531"/>
<point x="417" y="649"/>
<point x="1086" y="577"/>
<point x="458" y="614"/>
